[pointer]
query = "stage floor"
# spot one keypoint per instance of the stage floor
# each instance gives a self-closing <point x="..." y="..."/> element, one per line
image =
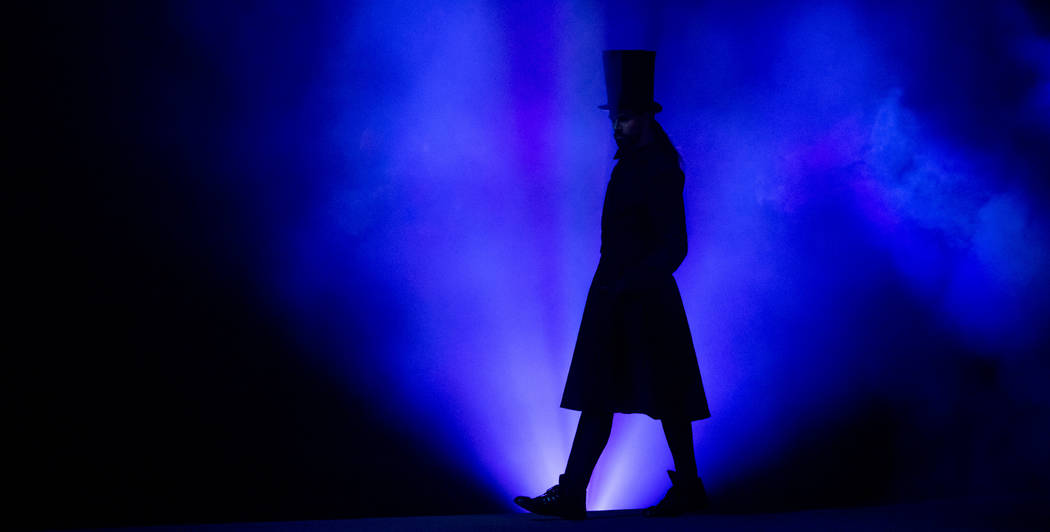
<point x="1028" y="513"/>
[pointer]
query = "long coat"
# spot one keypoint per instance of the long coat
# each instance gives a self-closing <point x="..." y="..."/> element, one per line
<point x="634" y="352"/>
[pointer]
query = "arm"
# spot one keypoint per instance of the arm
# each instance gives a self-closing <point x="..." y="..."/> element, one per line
<point x="666" y="208"/>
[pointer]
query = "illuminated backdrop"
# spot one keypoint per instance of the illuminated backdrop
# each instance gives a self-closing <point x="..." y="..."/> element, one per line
<point x="865" y="199"/>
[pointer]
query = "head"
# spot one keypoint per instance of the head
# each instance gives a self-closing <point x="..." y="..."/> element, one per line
<point x="631" y="128"/>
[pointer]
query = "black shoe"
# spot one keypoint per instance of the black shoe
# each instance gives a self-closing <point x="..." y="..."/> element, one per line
<point x="566" y="500"/>
<point x="687" y="495"/>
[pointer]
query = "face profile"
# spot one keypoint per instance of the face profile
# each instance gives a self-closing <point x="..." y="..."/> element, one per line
<point x="629" y="127"/>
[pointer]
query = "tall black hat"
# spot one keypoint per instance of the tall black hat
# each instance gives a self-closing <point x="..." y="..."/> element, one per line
<point x="629" y="80"/>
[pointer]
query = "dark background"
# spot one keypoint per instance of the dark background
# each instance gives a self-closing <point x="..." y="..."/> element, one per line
<point x="154" y="382"/>
<point x="151" y="383"/>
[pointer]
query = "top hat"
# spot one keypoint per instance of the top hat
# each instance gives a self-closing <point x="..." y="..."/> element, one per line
<point x="629" y="80"/>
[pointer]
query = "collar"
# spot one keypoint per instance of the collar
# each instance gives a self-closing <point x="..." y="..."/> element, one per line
<point x="631" y="152"/>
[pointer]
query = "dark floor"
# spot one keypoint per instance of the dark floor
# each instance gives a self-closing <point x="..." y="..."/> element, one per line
<point x="1027" y="513"/>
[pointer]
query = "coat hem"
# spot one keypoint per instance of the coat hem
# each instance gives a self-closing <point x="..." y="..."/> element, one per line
<point x="657" y="416"/>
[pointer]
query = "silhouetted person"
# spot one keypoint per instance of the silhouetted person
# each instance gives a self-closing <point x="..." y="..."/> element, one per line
<point x="634" y="352"/>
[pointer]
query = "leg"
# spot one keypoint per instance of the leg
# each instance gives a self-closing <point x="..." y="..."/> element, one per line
<point x="592" y="433"/>
<point x="679" y="433"/>
<point x="687" y="491"/>
<point x="568" y="499"/>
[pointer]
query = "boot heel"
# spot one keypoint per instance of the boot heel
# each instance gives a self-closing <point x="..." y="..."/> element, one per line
<point x="686" y="495"/>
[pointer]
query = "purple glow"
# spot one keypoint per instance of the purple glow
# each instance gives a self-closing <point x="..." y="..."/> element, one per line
<point x="456" y="223"/>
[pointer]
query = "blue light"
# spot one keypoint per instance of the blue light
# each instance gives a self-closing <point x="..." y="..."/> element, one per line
<point x="452" y="182"/>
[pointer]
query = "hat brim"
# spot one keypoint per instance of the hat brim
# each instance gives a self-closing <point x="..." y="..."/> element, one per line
<point x="652" y="107"/>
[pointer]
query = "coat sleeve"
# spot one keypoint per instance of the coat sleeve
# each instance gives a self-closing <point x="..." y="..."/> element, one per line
<point x="665" y="206"/>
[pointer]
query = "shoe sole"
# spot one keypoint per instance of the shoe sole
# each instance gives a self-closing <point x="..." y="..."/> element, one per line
<point x="574" y="517"/>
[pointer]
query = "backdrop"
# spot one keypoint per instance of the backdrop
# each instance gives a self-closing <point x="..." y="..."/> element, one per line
<point x="283" y="260"/>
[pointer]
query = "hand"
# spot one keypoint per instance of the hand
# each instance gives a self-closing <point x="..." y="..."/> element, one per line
<point x="634" y="283"/>
<point x="623" y="287"/>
